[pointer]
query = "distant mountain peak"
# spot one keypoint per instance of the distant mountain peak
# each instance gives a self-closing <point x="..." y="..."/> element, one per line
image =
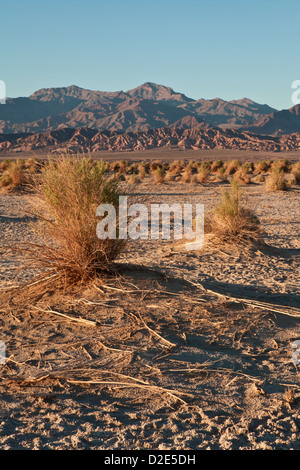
<point x="154" y="91"/>
<point x="243" y="101"/>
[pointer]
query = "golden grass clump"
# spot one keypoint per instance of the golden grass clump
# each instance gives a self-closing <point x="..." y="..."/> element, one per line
<point x="142" y="171"/>
<point x="216" y="165"/>
<point x="259" y="179"/>
<point x="232" y="166"/>
<point x="295" y="171"/>
<point x="4" y="165"/>
<point x="158" y="174"/>
<point x="156" y="164"/>
<point x="247" y="167"/>
<point x="282" y="165"/>
<point x="32" y="165"/>
<point x="262" y="166"/>
<point x="133" y="179"/>
<point x="230" y="221"/>
<point x="176" y="167"/>
<point x="276" y="181"/>
<point x="69" y="191"/>
<point x="120" y="166"/>
<point x="241" y="176"/>
<point x="187" y="175"/>
<point x="14" y="175"/>
<point x="203" y="173"/>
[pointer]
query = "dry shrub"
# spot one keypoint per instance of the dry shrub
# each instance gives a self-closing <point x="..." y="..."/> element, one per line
<point x="176" y="167"/>
<point x="203" y="174"/>
<point x="31" y="162"/>
<point x="230" y="221"/>
<point x="4" y="165"/>
<point x="132" y="179"/>
<point x="215" y="166"/>
<point x="232" y="166"/>
<point x="282" y="165"/>
<point x="276" y="181"/>
<point x="142" y="171"/>
<point x="133" y="168"/>
<point x="247" y="167"/>
<point x="241" y="176"/>
<point x="119" y="166"/>
<point x="5" y="182"/>
<point x="70" y="190"/>
<point x="262" y="166"/>
<point x="14" y="175"/>
<point x="203" y="165"/>
<point x="291" y="180"/>
<point x="221" y="173"/>
<point x="193" y="166"/>
<point x="187" y="175"/>
<point x="169" y="176"/>
<point x="259" y="179"/>
<point x="295" y="170"/>
<point x="156" y="164"/>
<point x="158" y="174"/>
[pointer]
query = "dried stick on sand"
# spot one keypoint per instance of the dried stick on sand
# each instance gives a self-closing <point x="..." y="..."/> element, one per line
<point x="284" y="310"/>
<point x="141" y="385"/>
<point x="137" y="317"/>
<point x="79" y="320"/>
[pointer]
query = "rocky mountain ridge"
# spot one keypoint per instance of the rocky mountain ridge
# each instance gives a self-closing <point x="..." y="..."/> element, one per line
<point x="149" y="106"/>
<point x="91" y="140"/>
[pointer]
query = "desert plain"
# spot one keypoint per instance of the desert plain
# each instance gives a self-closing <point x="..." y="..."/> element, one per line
<point x="177" y="350"/>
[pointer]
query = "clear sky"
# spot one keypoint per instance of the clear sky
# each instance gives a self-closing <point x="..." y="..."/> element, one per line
<point x="205" y="49"/>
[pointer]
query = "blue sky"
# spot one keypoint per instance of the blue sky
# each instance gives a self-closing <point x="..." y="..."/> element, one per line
<point x="229" y="49"/>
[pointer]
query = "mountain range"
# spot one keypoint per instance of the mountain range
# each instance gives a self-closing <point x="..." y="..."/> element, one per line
<point x="149" y="106"/>
<point x="148" y="116"/>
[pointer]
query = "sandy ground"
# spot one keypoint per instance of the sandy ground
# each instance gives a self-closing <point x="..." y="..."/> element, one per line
<point x="164" y="357"/>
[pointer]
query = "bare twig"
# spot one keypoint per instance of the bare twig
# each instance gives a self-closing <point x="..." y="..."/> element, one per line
<point x="79" y="320"/>
<point x="169" y="344"/>
<point x="285" y="310"/>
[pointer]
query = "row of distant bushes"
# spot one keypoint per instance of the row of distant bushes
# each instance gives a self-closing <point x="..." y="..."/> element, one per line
<point x="277" y="175"/>
<point x="70" y="189"/>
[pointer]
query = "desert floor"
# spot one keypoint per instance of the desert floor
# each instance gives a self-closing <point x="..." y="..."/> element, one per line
<point x="183" y="350"/>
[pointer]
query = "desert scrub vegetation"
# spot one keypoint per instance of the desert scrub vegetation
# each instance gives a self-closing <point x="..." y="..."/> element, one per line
<point x="295" y="171"/>
<point x="16" y="174"/>
<point x="242" y="176"/>
<point x="158" y="174"/>
<point x="231" y="221"/>
<point x="142" y="171"/>
<point x="262" y="166"/>
<point x="132" y="179"/>
<point x="203" y="172"/>
<point x="276" y="181"/>
<point x="216" y="165"/>
<point x="120" y="166"/>
<point x="283" y="165"/>
<point x="176" y="167"/>
<point x="187" y="175"/>
<point x="69" y="190"/>
<point x="232" y="166"/>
